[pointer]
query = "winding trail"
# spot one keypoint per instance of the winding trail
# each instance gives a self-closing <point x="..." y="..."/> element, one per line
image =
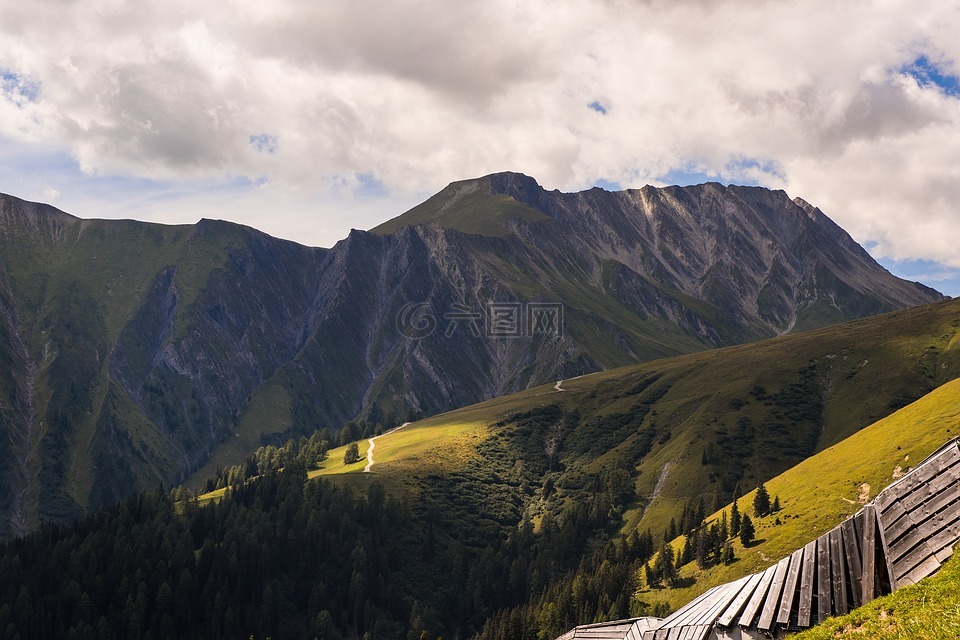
<point x="373" y="444"/>
<point x="558" y="387"/>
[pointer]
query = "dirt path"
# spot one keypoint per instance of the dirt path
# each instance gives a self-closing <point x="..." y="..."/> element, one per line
<point x="558" y="387"/>
<point x="373" y="444"/>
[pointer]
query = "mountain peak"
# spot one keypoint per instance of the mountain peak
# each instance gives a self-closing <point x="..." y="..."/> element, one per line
<point x="486" y="206"/>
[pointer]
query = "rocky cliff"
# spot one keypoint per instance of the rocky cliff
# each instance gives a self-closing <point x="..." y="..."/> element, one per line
<point x="134" y="352"/>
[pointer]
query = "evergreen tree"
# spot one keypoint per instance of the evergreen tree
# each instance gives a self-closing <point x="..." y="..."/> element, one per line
<point x="727" y="554"/>
<point x="703" y="548"/>
<point x="776" y="504"/>
<point x="761" y="502"/>
<point x="700" y="514"/>
<point x="747" y="532"/>
<point x="653" y="578"/>
<point x="671" y="531"/>
<point x="688" y="548"/>
<point x="724" y="529"/>
<point x="664" y="565"/>
<point x="735" y="513"/>
<point x="352" y="454"/>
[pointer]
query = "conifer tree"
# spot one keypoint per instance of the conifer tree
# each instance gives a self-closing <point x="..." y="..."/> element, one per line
<point x="761" y="502"/>
<point x="735" y="513"/>
<point x="747" y="532"/>
<point x="664" y="565"/>
<point x="653" y="578"/>
<point x="727" y="555"/>
<point x="689" y="544"/>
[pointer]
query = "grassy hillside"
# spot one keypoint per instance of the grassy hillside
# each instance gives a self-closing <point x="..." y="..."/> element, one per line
<point x="696" y="426"/>
<point x="532" y="489"/>
<point x="467" y="206"/>
<point x="822" y="491"/>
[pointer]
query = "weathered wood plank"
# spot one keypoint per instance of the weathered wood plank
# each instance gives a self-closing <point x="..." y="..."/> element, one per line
<point x="750" y="611"/>
<point x="926" y="568"/>
<point x="933" y="536"/>
<point x="740" y="600"/>
<point x="917" y="477"/>
<point x="858" y="524"/>
<point x="920" y="514"/>
<point x="838" y="573"/>
<point x="943" y="555"/>
<point x="944" y="481"/>
<point x="946" y="536"/>
<point x="852" y="554"/>
<point x="690" y="611"/>
<point x="886" y="552"/>
<point x="868" y="554"/>
<point x="805" y="608"/>
<point x="790" y="587"/>
<point x="721" y="603"/>
<point x="823" y="578"/>
<point x="703" y="632"/>
<point x="772" y="602"/>
<point x="895" y="521"/>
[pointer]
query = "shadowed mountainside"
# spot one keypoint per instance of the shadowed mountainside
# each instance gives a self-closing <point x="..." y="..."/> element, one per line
<point x="136" y="353"/>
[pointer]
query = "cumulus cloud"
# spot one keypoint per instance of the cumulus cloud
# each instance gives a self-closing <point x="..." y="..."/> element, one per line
<point x="298" y="97"/>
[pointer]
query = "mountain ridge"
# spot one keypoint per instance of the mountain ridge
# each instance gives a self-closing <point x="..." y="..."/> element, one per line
<point x="140" y="352"/>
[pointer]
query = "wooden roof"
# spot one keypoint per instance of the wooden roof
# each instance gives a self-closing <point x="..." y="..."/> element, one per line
<point x="903" y="536"/>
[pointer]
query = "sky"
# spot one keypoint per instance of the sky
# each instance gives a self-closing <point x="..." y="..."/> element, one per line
<point x="305" y="119"/>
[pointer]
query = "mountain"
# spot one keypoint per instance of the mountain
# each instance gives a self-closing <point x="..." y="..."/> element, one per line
<point x="508" y="519"/>
<point x="687" y="428"/>
<point x="771" y="263"/>
<point x="137" y="353"/>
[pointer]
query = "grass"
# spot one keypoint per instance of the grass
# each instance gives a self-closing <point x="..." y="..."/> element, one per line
<point x="855" y="369"/>
<point x="419" y="449"/>
<point x="864" y="364"/>
<point x="929" y="610"/>
<point x="423" y="447"/>
<point x="822" y="491"/>
<point x="467" y="206"/>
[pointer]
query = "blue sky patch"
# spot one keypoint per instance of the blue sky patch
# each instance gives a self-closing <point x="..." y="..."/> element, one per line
<point x="688" y="176"/>
<point x="748" y="172"/>
<point x="264" y="143"/>
<point x="599" y="107"/>
<point x="606" y="184"/>
<point x="15" y="85"/>
<point x="927" y="73"/>
<point x="933" y="274"/>
<point x="371" y="186"/>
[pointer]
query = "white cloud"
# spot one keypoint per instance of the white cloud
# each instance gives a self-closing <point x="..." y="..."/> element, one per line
<point x="298" y="98"/>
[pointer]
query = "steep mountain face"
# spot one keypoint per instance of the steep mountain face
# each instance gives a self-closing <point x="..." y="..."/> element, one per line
<point x="770" y="263"/>
<point x="135" y="353"/>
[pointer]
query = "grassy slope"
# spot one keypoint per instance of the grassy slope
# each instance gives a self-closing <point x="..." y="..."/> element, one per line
<point x="468" y="207"/>
<point x="862" y="371"/>
<point x="822" y="491"/>
<point x="96" y="274"/>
